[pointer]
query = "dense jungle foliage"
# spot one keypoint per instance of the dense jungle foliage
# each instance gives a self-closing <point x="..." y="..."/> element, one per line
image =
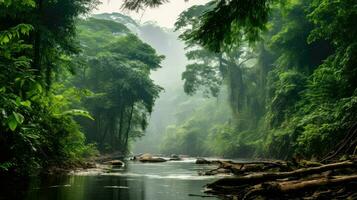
<point x="281" y="76"/>
<point x="69" y="86"/>
<point x="37" y="44"/>
<point x="290" y="75"/>
<point x="117" y="69"/>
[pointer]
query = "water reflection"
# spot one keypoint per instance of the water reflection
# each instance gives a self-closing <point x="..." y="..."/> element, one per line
<point x="164" y="181"/>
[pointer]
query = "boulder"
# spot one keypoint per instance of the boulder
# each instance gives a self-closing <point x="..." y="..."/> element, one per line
<point x="149" y="158"/>
<point x="145" y="156"/>
<point x="117" y="163"/>
<point x="175" y="157"/>
<point x="202" y="161"/>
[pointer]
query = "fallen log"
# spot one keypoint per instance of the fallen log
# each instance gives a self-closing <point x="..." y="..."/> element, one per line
<point x="264" y="162"/>
<point x="311" y="184"/>
<point x="263" y="177"/>
<point x="239" y="168"/>
<point x="275" y="188"/>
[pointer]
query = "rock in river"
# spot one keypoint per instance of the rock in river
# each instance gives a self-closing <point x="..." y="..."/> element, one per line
<point x="149" y="158"/>
<point x="175" y="157"/>
<point x="117" y="163"/>
<point x="202" y="161"/>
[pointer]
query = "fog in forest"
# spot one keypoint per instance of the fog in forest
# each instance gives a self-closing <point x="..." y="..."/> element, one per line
<point x="177" y="99"/>
<point x="155" y="26"/>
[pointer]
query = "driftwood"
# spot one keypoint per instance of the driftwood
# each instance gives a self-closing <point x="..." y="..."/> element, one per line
<point x="308" y="181"/>
<point x="311" y="184"/>
<point x="261" y="177"/>
<point x="294" y="186"/>
<point x="239" y="168"/>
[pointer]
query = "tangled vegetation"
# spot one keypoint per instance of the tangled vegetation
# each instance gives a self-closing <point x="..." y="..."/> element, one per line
<point x="290" y="76"/>
<point x="72" y="85"/>
<point x="68" y="86"/>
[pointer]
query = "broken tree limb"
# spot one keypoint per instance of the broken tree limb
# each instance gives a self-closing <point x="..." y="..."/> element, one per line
<point x="239" y="168"/>
<point x="263" y="177"/>
<point x="293" y="187"/>
<point x="311" y="184"/>
<point x="265" y="162"/>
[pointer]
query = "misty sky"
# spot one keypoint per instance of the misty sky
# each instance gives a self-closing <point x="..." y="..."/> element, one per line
<point x="165" y="15"/>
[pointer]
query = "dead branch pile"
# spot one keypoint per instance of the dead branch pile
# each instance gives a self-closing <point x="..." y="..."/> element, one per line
<point x="278" y="180"/>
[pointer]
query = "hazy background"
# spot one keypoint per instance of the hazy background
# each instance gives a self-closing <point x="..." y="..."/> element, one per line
<point x="164" y="15"/>
<point x="155" y="27"/>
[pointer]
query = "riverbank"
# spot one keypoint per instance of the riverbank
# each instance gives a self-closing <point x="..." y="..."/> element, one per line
<point x="286" y="180"/>
<point x="237" y="179"/>
<point x="82" y="164"/>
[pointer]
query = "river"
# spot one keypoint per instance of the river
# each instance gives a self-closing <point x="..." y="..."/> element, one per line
<point x="173" y="180"/>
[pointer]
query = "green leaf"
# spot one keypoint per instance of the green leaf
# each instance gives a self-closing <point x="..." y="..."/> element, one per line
<point x="19" y="117"/>
<point x="76" y="112"/>
<point x="18" y="101"/>
<point x="26" y="103"/>
<point x="6" y="166"/>
<point x="39" y="87"/>
<point x="5" y="39"/>
<point x="12" y="123"/>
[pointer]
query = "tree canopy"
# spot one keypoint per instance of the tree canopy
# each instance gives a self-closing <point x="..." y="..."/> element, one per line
<point x="118" y="75"/>
<point x="296" y="94"/>
<point x="53" y="81"/>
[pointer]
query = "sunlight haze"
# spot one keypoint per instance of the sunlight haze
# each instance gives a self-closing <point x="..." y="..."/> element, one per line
<point x="165" y="15"/>
<point x="189" y="99"/>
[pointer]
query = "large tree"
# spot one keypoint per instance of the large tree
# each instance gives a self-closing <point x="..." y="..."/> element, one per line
<point x="306" y="58"/>
<point x="116" y="69"/>
<point x="37" y="40"/>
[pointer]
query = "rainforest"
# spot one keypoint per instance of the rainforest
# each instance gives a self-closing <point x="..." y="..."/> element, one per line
<point x="159" y="99"/>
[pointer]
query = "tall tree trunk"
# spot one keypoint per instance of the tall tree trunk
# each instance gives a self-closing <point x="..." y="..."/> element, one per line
<point x="105" y="131"/>
<point x="112" y="131"/>
<point x="128" y="127"/>
<point x="121" y="123"/>
<point x="236" y="85"/>
<point x="97" y="126"/>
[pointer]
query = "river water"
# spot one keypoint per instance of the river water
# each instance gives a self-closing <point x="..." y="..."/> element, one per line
<point x="174" y="180"/>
